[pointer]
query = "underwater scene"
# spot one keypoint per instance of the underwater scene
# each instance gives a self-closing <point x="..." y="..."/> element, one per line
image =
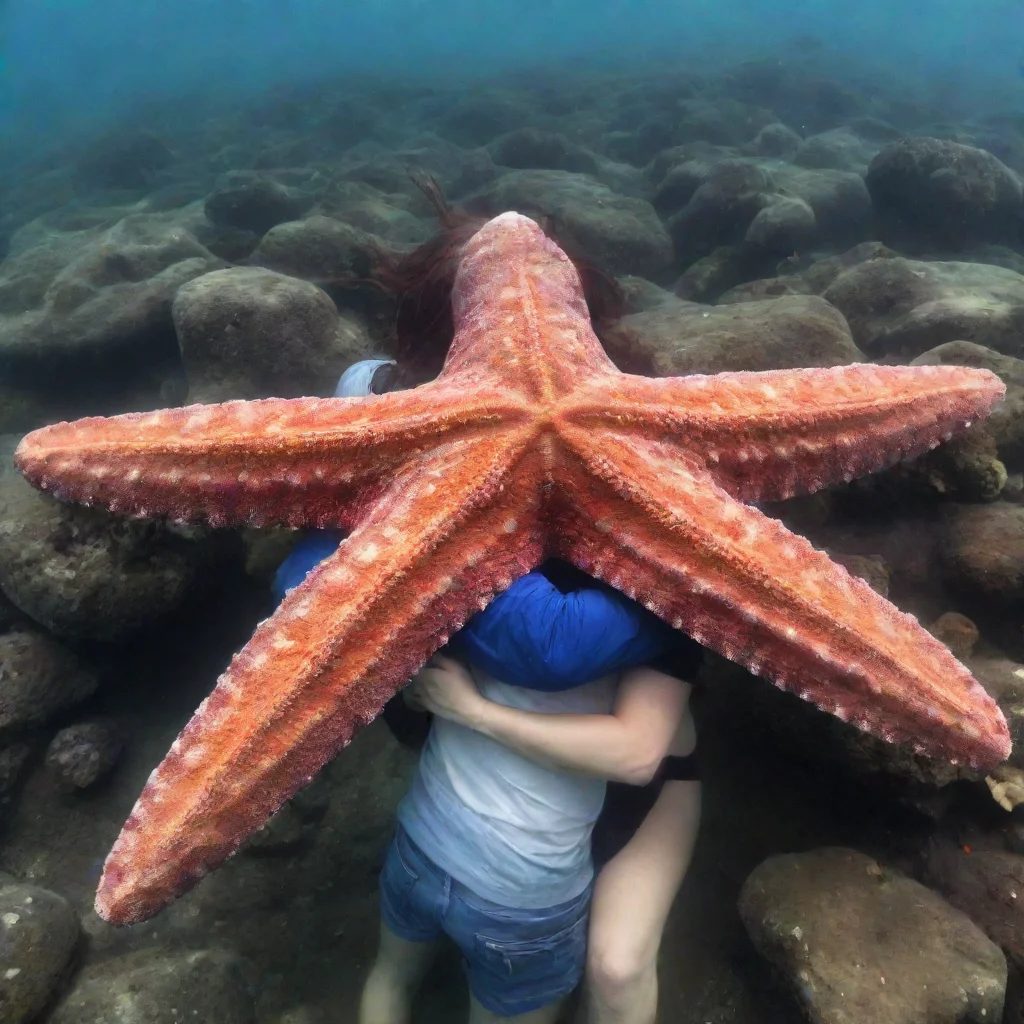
<point x="511" y="511"/>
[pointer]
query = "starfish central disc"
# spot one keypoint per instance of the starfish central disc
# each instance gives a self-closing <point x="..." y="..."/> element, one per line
<point x="530" y="443"/>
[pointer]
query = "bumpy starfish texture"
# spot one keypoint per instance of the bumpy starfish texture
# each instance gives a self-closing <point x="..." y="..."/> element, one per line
<point x="529" y="444"/>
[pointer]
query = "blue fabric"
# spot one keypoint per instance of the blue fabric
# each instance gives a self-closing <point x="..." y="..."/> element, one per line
<point x="307" y="554"/>
<point x="532" y="634"/>
<point x="515" y="960"/>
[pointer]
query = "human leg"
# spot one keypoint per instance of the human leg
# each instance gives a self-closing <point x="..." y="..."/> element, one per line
<point x="632" y="898"/>
<point x="396" y="974"/>
<point x="411" y="904"/>
<point x="479" y="1014"/>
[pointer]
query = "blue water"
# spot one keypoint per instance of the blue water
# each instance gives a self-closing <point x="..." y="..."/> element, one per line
<point x="71" y="63"/>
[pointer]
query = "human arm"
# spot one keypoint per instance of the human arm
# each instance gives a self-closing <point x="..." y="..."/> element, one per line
<point x="626" y="745"/>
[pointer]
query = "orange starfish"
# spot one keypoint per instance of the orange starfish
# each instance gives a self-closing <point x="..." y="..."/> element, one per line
<point x="530" y="443"/>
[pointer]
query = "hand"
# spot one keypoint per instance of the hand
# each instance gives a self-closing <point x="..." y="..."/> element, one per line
<point x="445" y="687"/>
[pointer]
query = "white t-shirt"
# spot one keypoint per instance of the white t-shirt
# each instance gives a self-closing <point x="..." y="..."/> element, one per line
<point x="512" y="831"/>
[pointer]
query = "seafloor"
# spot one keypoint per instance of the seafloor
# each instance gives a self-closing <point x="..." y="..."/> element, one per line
<point x="763" y="216"/>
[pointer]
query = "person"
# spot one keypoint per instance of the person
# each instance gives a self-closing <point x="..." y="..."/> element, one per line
<point x="642" y="841"/>
<point x="508" y="815"/>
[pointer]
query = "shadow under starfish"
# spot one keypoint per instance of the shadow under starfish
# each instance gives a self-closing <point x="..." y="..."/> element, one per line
<point x="530" y="443"/>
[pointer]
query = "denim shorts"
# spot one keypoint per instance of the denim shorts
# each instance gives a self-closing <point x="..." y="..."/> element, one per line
<point x="515" y="960"/>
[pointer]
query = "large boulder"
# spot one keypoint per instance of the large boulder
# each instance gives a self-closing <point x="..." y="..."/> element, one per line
<point x="87" y="574"/>
<point x="983" y="553"/>
<point x="159" y="987"/>
<point x="857" y="942"/>
<point x="936" y="193"/>
<point x="841" y="149"/>
<point x="39" y="678"/>
<point x="317" y="248"/>
<point x="38" y="936"/>
<point x="255" y="203"/>
<point x="1006" y="424"/>
<point x="987" y="885"/>
<point x="769" y="205"/>
<point x="682" y="338"/>
<point x="621" y="234"/>
<point x="80" y="755"/>
<point x="534" y="149"/>
<point x="901" y="308"/>
<point x="251" y="333"/>
<point x="102" y="292"/>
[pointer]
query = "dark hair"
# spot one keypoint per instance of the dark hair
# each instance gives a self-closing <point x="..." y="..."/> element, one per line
<point x="566" y="577"/>
<point x="423" y="280"/>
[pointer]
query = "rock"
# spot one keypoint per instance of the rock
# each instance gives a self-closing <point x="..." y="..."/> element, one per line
<point x="99" y="294"/>
<point x="809" y="280"/>
<point x="821" y="273"/>
<point x="873" y="569"/>
<point x="365" y="208"/>
<point x="38" y="936"/>
<point x="858" y="942"/>
<point x="1006" y="424"/>
<point x="88" y="574"/>
<point x="987" y="885"/>
<point x="840" y="149"/>
<point x="839" y="200"/>
<point x="82" y="754"/>
<point x="642" y="129"/>
<point x="709" y="277"/>
<point x="621" y="234"/>
<point x="10" y="613"/>
<point x="725" y="198"/>
<point x="317" y="248"/>
<point x="767" y="203"/>
<point x="967" y="467"/>
<point x="902" y="308"/>
<point x="775" y="140"/>
<point x="534" y="149"/>
<point x="773" y="334"/>
<point x="160" y="987"/>
<point x="458" y="171"/>
<point x="802" y="729"/>
<point x="479" y="118"/>
<point x="294" y="826"/>
<point x="124" y="160"/>
<point x="255" y="204"/>
<point x="934" y="193"/>
<point x="957" y="632"/>
<point x="983" y="552"/>
<point x="641" y="295"/>
<point x="14" y="760"/>
<point x="250" y="333"/>
<point x="784" y="225"/>
<point x="39" y="677"/>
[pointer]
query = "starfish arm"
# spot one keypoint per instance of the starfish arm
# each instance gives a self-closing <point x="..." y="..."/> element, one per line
<point x="771" y="435"/>
<point x="297" y="462"/>
<point x="740" y="583"/>
<point x="433" y="550"/>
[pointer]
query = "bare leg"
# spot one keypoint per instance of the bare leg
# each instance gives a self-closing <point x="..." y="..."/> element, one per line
<point x="545" y="1015"/>
<point x="394" y="978"/>
<point x="632" y="897"/>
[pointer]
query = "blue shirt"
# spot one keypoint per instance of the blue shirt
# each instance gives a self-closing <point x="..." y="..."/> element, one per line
<point x="532" y="634"/>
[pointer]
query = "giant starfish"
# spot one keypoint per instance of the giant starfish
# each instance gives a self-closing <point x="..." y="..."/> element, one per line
<point x="530" y="443"/>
